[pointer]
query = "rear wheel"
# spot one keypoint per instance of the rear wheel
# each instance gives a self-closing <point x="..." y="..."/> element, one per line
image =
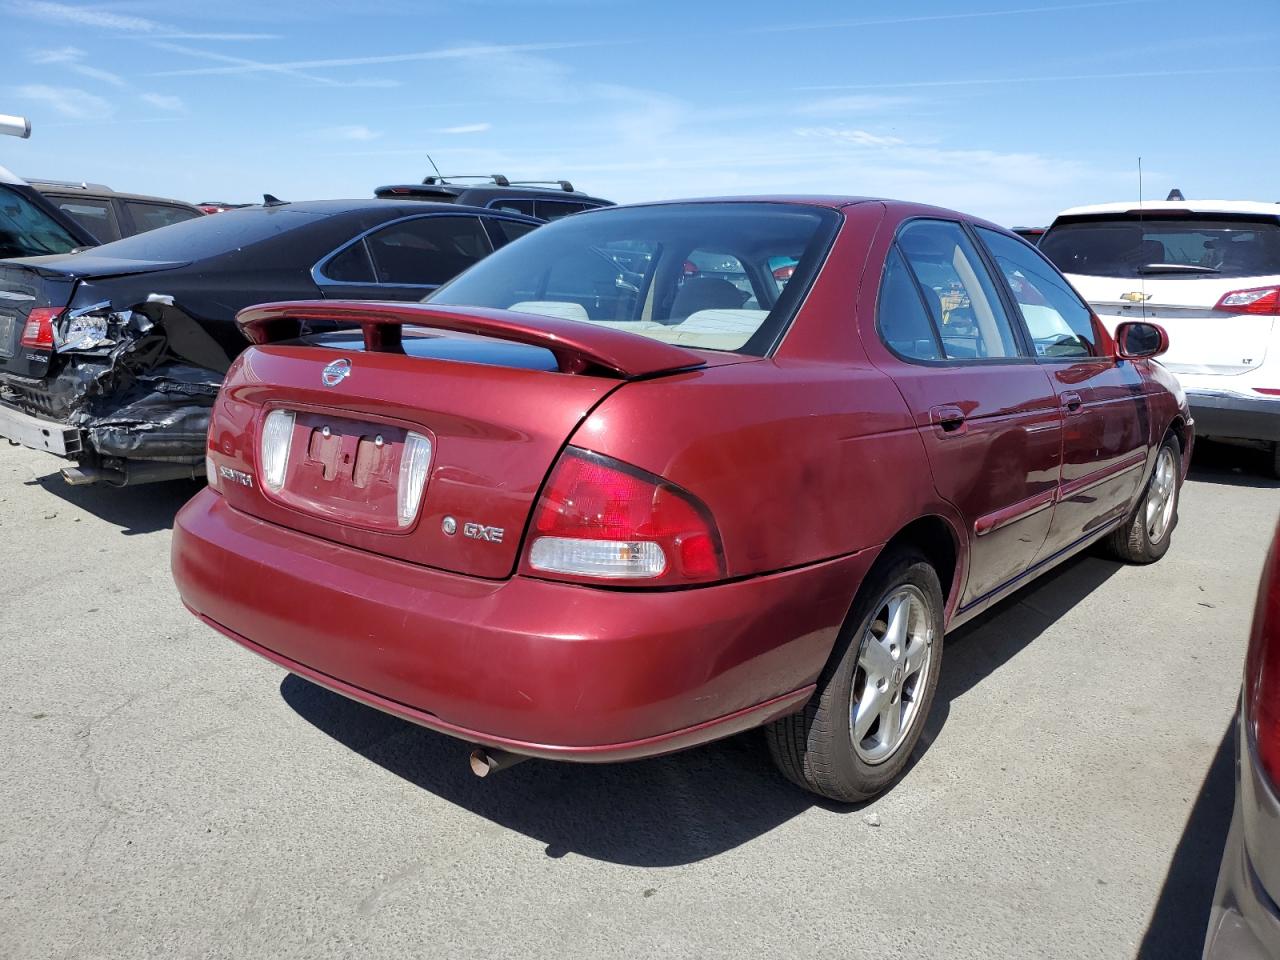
<point x="1145" y="537"/>
<point x="857" y="732"/>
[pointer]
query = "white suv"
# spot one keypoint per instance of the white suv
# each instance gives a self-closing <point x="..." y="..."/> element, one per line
<point x="1208" y="271"/>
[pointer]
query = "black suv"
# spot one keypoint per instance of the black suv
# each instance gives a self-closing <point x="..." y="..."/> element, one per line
<point x="544" y="199"/>
<point x="109" y="215"/>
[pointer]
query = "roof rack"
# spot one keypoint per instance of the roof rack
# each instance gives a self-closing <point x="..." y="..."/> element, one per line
<point x="497" y="180"/>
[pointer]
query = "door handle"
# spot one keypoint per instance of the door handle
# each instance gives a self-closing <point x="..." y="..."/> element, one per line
<point x="949" y="417"/>
<point x="1071" y="400"/>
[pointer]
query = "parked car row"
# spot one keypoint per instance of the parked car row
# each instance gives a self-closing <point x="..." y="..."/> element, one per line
<point x="111" y="357"/>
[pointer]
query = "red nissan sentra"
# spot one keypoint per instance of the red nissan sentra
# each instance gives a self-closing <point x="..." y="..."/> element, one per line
<point x="654" y="475"/>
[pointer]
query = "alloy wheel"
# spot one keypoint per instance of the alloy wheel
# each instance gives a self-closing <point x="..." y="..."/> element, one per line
<point x="891" y="675"/>
<point x="1161" y="497"/>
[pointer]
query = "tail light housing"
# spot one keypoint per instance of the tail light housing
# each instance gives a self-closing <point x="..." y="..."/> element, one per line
<point x="38" y="330"/>
<point x="273" y="457"/>
<point x="1262" y="668"/>
<point x="1259" y="301"/>
<point x="600" y="520"/>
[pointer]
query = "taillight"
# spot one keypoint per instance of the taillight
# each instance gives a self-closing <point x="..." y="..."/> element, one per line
<point x="601" y="519"/>
<point x="1268" y="391"/>
<point x="415" y="458"/>
<point x="38" y="331"/>
<point x="1263" y="301"/>
<point x="1262" y="668"/>
<point x="277" y="438"/>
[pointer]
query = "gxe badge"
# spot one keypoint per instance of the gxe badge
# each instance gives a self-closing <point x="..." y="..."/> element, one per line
<point x="336" y="372"/>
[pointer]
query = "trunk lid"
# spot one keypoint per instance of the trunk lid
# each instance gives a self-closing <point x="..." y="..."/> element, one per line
<point x="1202" y="340"/>
<point x="497" y="409"/>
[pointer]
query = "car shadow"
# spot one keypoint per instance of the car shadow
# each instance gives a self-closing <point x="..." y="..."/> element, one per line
<point x="669" y="810"/>
<point x="142" y="509"/>
<point x="1181" y="915"/>
<point x="1232" y="465"/>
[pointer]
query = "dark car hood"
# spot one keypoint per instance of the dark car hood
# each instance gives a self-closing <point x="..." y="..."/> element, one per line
<point x="89" y="264"/>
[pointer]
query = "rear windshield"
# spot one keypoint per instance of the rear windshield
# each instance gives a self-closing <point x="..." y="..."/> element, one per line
<point x="699" y="274"/>
<point x="1157" y="245"/>
<point x="28" y="231"/>
<point x="208" y="236"/>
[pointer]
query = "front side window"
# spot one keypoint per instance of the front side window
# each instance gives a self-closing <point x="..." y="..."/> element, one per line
<point x="1059" y="323"/>
<point x="426" y="251"/>
<point x="958" y="291"/>
<point x="27" y="231"/>
<point x="641" y="269"/>
<point x="1131" y="245"/>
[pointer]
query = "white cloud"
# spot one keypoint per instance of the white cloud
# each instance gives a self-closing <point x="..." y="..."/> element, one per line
<point x="356" y="132"/>
<point x="929" y="17"/>
<point x="67" y="101"/>
<point x="83" y="16"/>
<point x="841" y="134"/>
<point x="164" y="101"/>
<point x="467" y="128"/>
<point x="854" y="103"/>
<point x="72" y="58"/>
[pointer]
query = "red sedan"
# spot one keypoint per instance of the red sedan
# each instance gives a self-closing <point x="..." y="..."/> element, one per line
<point x="585" y="505"/>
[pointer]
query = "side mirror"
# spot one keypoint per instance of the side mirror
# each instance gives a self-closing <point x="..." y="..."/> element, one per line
<point x="1140" y="341"/>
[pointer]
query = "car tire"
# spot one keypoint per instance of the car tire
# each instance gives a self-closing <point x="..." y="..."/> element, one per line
<point x="1145" y="536"/>
<point x="819" y="748"/>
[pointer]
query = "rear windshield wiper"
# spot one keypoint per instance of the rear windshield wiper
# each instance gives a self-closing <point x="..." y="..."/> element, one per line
<point x="1176" y="268"/>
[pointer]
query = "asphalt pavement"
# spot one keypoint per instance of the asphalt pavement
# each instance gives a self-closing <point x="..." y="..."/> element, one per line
<point x="164" y="793"/>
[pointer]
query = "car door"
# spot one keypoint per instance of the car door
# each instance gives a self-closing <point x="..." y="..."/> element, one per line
<point x="1106" y="425"/>
<point x="405" y="259"/>
<point x="985" y="410"/>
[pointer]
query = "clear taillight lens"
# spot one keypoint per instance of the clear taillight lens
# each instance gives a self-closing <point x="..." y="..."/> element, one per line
<point x="211" y="472"/>
<point x="1262" y="668"/>
<point x="601" y="519"/>
<point x="415" y="459"/>
<point x="277" y="437"/>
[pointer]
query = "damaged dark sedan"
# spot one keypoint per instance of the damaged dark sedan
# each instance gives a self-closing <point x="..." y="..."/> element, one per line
<point x="112" y="357"/>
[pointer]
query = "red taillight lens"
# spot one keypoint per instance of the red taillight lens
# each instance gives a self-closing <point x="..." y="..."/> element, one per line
<point x="38" y="331"/>
<point x="1262" y="668"/>
<point x="784" y="272"/>
<point x="600" y="519"/>
<point x="1261" y="301"/>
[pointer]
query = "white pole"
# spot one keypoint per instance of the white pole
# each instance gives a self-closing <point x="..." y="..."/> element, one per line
<point x="15" y="126"/>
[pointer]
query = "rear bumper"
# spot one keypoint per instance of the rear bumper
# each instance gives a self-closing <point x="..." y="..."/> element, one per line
<point x="535" y="667"/>
<point x="38" y="433"/>
<point x="1244" y="922"/>
<point x="1234" y="416"/>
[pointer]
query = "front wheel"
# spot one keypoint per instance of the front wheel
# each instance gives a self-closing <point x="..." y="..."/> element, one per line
<point x="857" y="732"/>
<point x="1145" y="537"/>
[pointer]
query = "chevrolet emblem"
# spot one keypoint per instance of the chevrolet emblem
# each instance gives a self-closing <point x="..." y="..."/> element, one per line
<point x="1135" y="297"/>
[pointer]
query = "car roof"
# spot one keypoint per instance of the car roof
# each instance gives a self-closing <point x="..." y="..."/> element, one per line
<point x="1166" y="206"/>
<point x="488" y="191"/>
<point x="99" y="190"/>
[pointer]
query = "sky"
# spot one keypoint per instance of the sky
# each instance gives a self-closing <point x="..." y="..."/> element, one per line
<point x="1008" y="109"/>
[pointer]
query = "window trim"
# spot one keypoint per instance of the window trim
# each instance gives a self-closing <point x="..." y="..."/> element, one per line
<point x="320" y="279"/>
<point x="1016" y="324"/>
<point x="1007" y="293"/>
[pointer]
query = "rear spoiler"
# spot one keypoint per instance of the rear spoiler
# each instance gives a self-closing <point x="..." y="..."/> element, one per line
<point x="578" y="347"/>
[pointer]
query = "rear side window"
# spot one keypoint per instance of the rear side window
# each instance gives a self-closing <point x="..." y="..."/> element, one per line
<point x="427" y="251"/>
<point x="1128" y="245"/>
<point x="505" y="231"/>
<point x="352" y="265"/>
<point x="958" y="291"/>
<point x="904" y="322"/>
<point x="96" y="216"/>
<point x="1059" y="323"/>
<point x="513" y="206"/>
<point x="149" y="216"/>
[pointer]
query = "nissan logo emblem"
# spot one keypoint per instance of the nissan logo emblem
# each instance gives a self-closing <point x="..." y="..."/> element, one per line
<point x="336" y="372"/>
